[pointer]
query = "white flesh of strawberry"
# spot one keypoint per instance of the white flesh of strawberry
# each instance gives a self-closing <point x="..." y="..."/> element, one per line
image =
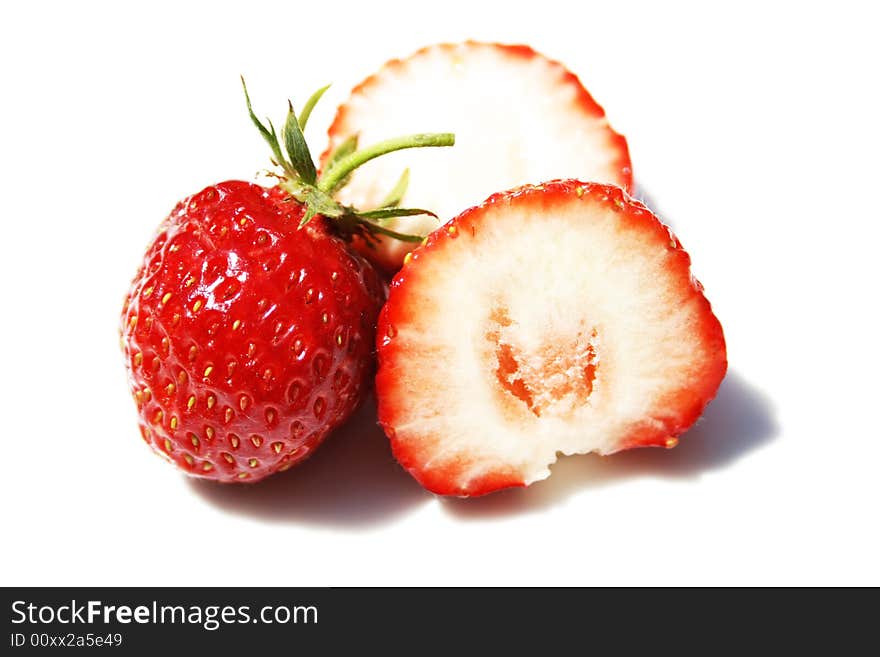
<point x="599" y="327"/>
<point x="516" y="121"/>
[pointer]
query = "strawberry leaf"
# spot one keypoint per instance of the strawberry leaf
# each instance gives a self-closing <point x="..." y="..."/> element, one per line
<point x="403" y="237"/>
<point x="268" y="134"/>
<point x="309" y="106"/>
<point x="297" y="149"/>
<point x="395" y="196"/>
<point x="322" y="203"/>
<point x="388" y="213"/>
<point x="308" y="216"/>
<point x="344" y="149"/>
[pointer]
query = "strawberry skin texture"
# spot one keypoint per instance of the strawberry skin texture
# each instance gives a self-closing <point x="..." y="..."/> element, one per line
<point x="411" y="394"/>
<point x="246" y="338"/>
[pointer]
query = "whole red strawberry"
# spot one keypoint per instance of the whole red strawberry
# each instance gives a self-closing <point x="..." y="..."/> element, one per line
<point x="248" y="331"/>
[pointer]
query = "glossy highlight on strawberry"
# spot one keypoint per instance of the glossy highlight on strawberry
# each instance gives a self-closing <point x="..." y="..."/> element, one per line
<point x="247" y="337"/>
<point x="248" y="330"/>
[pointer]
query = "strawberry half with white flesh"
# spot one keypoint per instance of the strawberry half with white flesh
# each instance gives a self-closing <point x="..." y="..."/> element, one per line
<point x="559" y="318"/>
<point x="518" y="118"/>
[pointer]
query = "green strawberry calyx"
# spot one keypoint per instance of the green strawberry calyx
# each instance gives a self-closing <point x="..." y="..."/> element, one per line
<point x="300" y="178"/>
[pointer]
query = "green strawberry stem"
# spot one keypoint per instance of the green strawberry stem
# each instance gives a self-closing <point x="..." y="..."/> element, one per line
<point x="301" y="180"/>
<point x="340" y="170"/>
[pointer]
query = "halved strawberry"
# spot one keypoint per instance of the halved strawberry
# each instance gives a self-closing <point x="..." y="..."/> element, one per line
<point x="554" y="318"/>
<point x="518" y="117"/>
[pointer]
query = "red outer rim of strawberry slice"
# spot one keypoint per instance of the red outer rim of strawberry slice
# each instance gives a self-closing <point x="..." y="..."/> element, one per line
<point x="623" y="165"/>
<point x="689" y="405"/>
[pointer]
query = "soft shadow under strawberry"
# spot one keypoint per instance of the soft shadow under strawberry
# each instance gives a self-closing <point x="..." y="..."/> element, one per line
<point x="351" y="481"/>
<point x="740" y="420"/>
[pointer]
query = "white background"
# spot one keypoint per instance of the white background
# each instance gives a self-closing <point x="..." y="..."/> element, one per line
<point x="753" y="131"/>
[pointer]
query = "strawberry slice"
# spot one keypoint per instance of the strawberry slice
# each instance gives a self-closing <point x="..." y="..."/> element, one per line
<point x="554" y="318"/>
<point x="518" y="117"/>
